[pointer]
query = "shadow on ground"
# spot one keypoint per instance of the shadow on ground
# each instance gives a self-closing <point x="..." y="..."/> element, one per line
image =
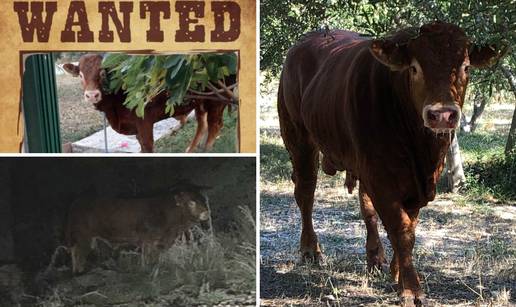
<point x="465" y="249"/>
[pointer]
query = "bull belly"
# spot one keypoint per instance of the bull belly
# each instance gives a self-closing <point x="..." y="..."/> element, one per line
<point x="127" y="129"/>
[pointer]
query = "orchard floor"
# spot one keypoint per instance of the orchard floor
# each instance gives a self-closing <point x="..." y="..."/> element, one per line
<point x="465" y="250"/>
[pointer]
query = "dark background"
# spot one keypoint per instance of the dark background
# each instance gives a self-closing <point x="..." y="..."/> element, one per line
<point x="35" y="194"/>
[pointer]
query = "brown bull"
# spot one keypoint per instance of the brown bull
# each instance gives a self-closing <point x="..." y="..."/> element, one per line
<point x="383" y="111"/>
<point x="209" y="114"/>
<point x="147" y="222"/>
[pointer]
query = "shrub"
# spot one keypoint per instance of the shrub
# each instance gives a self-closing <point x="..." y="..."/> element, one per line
<point x="495" y="176"/>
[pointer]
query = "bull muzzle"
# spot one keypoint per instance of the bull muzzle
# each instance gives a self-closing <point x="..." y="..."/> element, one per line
<point x="205" y="221"/>
<point x="441" y="118"/>
<point x="92" y="96"/>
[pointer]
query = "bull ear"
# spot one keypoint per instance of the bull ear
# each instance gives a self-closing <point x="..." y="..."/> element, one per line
<point x="71" y="69"/>
<point x="390" y="54"/>
<point x="485" y="56"/>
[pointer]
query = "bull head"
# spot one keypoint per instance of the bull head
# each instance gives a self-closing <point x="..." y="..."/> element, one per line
<point x="195" y="204"/>
<point x="92" y="76"/>
<point x="436" y="64"/>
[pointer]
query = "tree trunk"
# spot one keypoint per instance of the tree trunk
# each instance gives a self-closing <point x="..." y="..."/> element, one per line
<point x="479" y="104"/>
<point x="454" y="170"/>
<point x="511" y="139"/>
<point x="464" y="126"/>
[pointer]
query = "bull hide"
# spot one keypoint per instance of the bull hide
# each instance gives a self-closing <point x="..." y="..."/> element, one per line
<point x="146" y="222"/>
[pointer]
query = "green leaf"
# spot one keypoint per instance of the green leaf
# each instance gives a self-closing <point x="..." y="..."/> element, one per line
<point x="213" y="70"/>
<point x="231" y="61"/>
<point x="140" y="110"/>
<point x="169" y="109"/>
<point x="172" y="60"/>
<point x="113" y="59"/>
<point x="177" y="68"/>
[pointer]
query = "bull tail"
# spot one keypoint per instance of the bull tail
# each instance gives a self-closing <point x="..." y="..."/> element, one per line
<point x="351" y="182"/>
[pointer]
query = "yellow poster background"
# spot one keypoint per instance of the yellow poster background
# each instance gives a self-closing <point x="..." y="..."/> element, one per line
<point x="12" y="47"/>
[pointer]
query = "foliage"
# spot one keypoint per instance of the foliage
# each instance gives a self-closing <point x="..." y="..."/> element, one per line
<point x="486" y="22"/>
<point x="495" y="176"/>
<point x="488" y="171"/>
<point x="275" y="165"/>
<point x="144" y="77"/>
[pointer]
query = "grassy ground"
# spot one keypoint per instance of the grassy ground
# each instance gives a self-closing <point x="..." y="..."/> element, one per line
<point x="226" y="142"/>
<point x="465" y="249"/>
<point x="214" y="271"/>
<point x="79" y="119"/>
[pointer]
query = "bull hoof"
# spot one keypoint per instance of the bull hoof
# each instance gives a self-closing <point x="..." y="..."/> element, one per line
<point x="413" y="301"/>
<point x="310" y="257"/>
<point x="421" y="301"/>
<point x="407" y="301"/>
<point x="377" y="264"/>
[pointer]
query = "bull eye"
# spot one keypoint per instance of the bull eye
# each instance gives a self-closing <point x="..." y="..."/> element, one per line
<point x="413" y="69"/>
<point x="466" y="68"/>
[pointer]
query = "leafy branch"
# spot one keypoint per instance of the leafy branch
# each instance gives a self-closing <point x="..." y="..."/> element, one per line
<point x="182" y="76"/>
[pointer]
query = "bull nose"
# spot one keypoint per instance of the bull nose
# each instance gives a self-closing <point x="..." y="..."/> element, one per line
<point x="442" y="117"/>
<point x="93" y="96"/>
<point x="204" y="216"/>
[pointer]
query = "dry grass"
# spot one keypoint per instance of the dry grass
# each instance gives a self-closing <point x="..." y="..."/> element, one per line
<point x="214" y="270"/>
<point x="464" y="252"/>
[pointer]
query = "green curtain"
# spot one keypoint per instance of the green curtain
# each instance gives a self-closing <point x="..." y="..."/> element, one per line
<point x="40" y="105"/>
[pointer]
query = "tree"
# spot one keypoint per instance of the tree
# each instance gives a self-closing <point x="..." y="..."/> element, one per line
<point x="454" y="170"/>
<point x="511" y="139"/>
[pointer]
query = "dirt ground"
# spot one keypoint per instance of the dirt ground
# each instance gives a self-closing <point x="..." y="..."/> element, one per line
<point x="465" y="250"/>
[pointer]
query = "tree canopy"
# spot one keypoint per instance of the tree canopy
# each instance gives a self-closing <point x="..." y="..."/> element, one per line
<point x="283" y="22"/>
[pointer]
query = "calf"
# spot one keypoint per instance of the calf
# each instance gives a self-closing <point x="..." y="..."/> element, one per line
<point x="125" y="121"/>
<point x="147" y="222"/>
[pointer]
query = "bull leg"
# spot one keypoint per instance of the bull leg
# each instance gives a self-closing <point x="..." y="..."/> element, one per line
<point x="188" y="235"/>
<point x="304" y="156"/>
<point x="215" y="124"/>
<point x="79" y="254"/>
<point x="401" y="226"/>
<point x="201" y="116"/>
<point x="182" y="119"/>
<point x="374" y="248"/>
<point x="394" y="267"/>
<point x="143" y="255"/>
<point x="147" y="256"/>
<point x="305" y="180"/>
<point x="145" y="136"/>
